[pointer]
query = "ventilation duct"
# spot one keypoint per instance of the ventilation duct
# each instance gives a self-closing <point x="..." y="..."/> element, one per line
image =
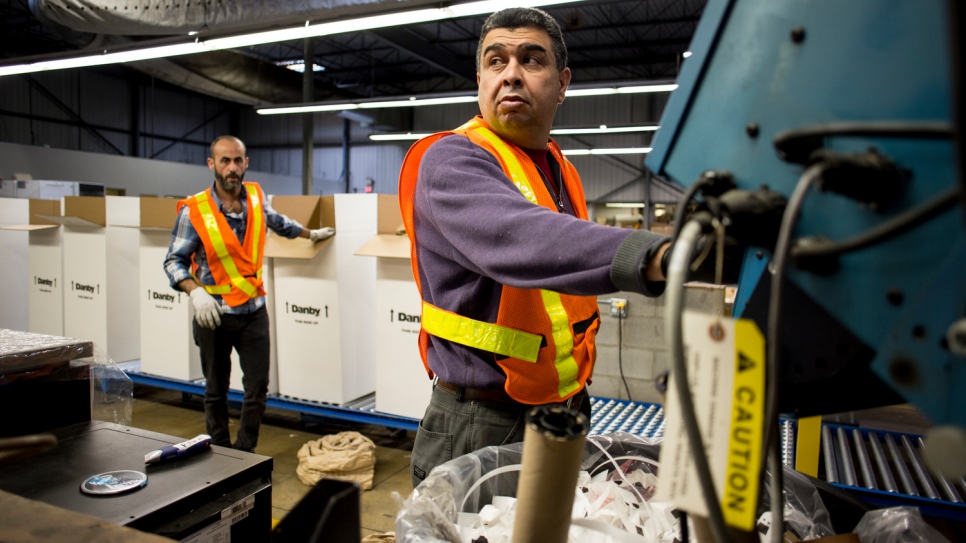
<point x="221" y="74"/>
<point x="172" y="17"/>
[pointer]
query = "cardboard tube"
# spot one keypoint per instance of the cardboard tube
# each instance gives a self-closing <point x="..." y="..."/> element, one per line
<point x="553" y="446"/>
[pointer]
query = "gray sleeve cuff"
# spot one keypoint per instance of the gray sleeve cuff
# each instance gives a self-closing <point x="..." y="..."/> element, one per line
<point x="630" y="261"/>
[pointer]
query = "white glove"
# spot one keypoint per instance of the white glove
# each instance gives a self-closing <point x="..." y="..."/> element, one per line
<point x="207" y="312"/>
<point x="320" y="234"/>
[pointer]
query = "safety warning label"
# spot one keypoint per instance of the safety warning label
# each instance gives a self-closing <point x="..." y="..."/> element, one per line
<point x="725" y="365"/>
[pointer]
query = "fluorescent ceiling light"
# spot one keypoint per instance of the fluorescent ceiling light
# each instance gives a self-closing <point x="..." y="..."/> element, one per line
<point x="604" y="129"/>
<point x="617" y="151"/>
<point x="414" y="101"/>
<point x="621" y="90"/>
<point x="556" y="131"/>
<point x="299" y="66"/>
<point x="398" y="137"/>
<point x="624" y="204"/>
<point x="275" y="36"/>
<point x="106" y="58"/>
<point x="686" y="54"/>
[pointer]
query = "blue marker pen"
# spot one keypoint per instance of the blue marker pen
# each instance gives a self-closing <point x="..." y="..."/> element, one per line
<point x="178" y="450"/>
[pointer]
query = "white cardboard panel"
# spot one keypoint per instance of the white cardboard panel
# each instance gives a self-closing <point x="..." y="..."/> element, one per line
<point x="101" y="302"/>
<point x="402" y="385"/>
<point x="14" y="211"/>
<point x="85" y="285"/>
<point x="356" y="219"/>
<point x="13" y="265"/>
<point x="123" y="300"/>
<point x="122" y="211"/>
<point x="268" y="275"/>
<point x="46" y="277"/>
<point x="167" y="344"/>
<point x="307" y="328"/>
<point x="325" y="310"/>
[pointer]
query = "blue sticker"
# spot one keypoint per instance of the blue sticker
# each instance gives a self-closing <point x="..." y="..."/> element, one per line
<point x="114" y="482"/>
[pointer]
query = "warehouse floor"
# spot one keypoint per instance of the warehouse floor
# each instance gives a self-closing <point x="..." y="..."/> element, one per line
<point x="281" y="436"/>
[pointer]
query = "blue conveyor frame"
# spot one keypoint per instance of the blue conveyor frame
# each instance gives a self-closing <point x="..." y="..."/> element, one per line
<point x="284" y="403"/>
<point x="608" y="414"/>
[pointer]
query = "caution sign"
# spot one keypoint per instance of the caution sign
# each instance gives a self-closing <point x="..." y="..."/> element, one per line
<point x="740" y="486"/>
<point x="725" y="360"/>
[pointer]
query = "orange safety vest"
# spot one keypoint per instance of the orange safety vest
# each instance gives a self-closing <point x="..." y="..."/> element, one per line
<point x="236" y="267"/>
<point x="543" y="340"/>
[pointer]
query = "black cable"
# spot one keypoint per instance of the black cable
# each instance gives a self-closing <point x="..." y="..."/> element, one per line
<point x="674" y="303"/>
<point x="770" y="435"/>
<point x="683" y="519"/>
<point x="885" y="231"/>
<point x="797" y="145"/>
<point x="683" y="204"/>
<point x="620" y="345"/>
<point x="957" y="19"/>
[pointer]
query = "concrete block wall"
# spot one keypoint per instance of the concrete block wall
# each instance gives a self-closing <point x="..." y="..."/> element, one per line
<point x="637" y="342"/>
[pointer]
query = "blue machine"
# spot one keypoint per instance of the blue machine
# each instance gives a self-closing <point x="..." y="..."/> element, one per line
<point x="875" y="330"/>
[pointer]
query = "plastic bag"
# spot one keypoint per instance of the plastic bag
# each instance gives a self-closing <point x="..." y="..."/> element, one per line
<point x="897" y="525"/>
<point x="112" y="391"/>
<point x="805" y="514"/>
<point x="430" y="513"/>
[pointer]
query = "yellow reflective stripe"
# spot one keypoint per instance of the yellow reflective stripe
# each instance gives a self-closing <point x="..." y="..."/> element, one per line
<point x="211" y="224"/>
<point x="211" y="289"/>
<point x="469" y="125"/>
<point x="256" y="222"/>
<point x="563" y="340"/>
<point x="217" y="289"/>
<point x="517" y="175"/>
<point x="489" y="337"/>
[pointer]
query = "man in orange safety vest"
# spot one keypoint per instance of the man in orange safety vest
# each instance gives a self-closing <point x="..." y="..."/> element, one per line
<point x="507" y="264"/>
<point x="216" y="257"/>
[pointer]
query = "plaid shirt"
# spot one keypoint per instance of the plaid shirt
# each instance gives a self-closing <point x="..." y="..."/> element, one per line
<point x="185" y="242"/>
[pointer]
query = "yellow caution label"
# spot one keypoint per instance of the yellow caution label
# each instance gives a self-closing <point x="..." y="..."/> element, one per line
<point x="739" y="493"/>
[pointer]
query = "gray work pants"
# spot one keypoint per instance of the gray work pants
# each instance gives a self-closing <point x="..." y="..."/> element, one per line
<point x="451" y="428"/>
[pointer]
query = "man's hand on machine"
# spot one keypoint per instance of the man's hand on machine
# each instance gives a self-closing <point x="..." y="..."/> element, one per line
<point x="207" y="312"/>
<point x="704" y="258"/>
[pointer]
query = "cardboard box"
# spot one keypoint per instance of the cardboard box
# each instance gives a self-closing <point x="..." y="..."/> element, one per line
<point x="402" y="384"/>
<point x="325" y="299"/>
<point x="167" y="344"/>
<point x="46" y="269"/>
<point x="158" y="213"/>
<point x="45" y="275"/>
<point x="13" y="265"/>
<point x="101" y="263"/>
<point x="311" y="212"/>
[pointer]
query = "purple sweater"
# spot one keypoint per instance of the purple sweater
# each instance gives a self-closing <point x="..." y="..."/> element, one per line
<point x="475" y="233"/>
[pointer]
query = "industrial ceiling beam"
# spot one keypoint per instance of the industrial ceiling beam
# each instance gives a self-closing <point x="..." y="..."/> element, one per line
<point x="414" y="45"/>
<point x="35" y="85"/>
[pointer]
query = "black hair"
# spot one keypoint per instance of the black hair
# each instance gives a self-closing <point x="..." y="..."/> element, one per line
<point x="513" y="18"/>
